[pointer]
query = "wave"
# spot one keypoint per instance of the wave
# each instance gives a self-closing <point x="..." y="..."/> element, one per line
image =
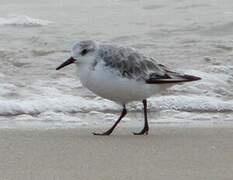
<point x="192" y="104"/>
<point x="23" y="21"/>
<point x="74" y="104"/>
<point x="61" y="104"/>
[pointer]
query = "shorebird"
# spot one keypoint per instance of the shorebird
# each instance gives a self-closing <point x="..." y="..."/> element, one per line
<point x="122" y="75"/>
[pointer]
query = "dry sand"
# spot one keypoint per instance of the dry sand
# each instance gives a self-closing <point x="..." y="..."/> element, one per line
<point x="167" y="153"/>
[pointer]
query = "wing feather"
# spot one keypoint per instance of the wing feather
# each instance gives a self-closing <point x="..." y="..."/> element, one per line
<point x="129" y="63"/>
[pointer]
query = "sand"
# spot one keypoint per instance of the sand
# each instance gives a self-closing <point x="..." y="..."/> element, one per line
<point x="68" y="154"/>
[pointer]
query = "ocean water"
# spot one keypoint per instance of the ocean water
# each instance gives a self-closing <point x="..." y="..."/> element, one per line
<point x="195" y="37"/>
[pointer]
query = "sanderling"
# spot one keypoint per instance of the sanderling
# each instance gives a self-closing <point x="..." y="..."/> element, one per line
<point x="122" y="74"/>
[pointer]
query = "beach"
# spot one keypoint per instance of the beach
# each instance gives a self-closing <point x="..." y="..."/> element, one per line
<point x="47" y="117"/>
<point x="190" y="37"/>
<point x="167" y="153"/>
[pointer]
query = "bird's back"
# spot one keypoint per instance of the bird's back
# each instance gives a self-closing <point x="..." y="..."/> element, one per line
<point x="129" y="63"/>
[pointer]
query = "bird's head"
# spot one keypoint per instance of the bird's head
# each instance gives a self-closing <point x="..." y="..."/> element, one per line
<point x="82" y="52"/>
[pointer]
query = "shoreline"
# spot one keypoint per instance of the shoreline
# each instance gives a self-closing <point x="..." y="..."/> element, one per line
<point x="166" y="153"/>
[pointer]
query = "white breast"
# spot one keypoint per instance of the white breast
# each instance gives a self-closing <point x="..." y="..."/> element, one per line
<point x="110" y="86"/>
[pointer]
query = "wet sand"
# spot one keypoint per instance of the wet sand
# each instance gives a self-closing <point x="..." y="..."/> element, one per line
<point x="68" y="154"/>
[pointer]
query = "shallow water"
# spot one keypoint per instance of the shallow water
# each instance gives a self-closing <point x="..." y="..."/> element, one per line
<point x="35" y="37"/>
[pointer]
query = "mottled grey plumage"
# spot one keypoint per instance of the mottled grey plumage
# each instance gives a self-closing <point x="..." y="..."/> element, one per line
<point x="128" y="63"/>
<point x="131" y="64"/>
<point x="87" y="45"/>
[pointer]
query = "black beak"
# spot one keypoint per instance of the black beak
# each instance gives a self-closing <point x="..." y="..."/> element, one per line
<point x="71" y="60"/>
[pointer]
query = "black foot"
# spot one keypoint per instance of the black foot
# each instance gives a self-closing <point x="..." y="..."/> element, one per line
<point x="143" y="132"/>
<point x="107" y="133"/>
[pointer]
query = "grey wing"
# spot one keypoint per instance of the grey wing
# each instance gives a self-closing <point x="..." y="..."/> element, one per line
<point x="127" y="62"/>
<point x="131" y="64"/>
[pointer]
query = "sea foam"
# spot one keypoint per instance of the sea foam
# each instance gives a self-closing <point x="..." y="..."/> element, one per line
<point x="23" y="21"/>
<point x="74" y="104"/>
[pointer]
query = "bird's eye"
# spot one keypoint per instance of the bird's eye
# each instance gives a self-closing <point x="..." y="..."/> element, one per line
<point x="83" y="52"/>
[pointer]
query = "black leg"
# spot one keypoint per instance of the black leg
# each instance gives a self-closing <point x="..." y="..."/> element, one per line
<point x="145" y="130"/>
<point x="108" y="132"/>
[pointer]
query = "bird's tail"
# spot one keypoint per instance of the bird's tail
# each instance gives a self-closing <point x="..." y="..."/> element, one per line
<point x="177" y="79"/>
<point x="187" y="78"/>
